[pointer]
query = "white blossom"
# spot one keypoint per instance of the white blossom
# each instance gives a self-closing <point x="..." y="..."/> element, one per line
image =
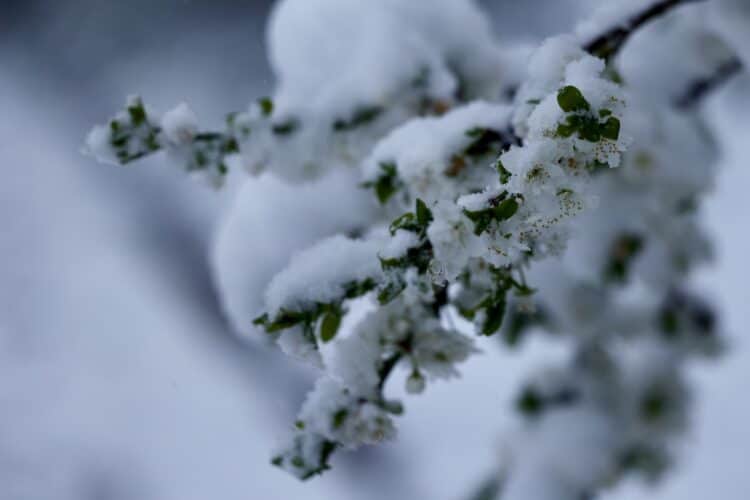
<point x="571" y="208"/>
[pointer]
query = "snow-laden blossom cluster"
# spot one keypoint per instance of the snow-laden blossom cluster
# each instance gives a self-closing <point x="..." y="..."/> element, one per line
<point x="364" y="68"/>
<point x="568" y="208"/>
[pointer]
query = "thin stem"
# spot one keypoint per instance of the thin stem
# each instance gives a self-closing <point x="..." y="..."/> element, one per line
<point x="385" y="370"/>
<point x="611" y="41"/>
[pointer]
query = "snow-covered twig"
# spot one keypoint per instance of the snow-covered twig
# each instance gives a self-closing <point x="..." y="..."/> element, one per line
<point x="607" y="44"/>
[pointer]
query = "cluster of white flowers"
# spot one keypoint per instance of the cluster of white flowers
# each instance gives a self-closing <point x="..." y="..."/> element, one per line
<point x="622" y="294"/>
<point x="364" y="68"/>
<point x="570" y="209"/>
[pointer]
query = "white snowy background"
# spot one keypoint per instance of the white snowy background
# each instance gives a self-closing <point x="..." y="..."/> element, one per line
<point x="119" y="376"/>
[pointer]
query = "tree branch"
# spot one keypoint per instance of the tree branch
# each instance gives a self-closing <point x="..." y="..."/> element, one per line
<point x="698" y="89"/>
<point x="386" y="368"/>
<point x="611" y="41"/>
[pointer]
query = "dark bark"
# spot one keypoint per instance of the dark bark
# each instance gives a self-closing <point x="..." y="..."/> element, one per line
<point x="611" y="41"/>
<point x="698" y="89"/>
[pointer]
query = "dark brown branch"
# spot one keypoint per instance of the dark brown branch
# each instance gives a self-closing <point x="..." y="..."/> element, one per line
<point x="610" y="42"/>
<point x="386" y="368"/>
<point x="699" y="89"/>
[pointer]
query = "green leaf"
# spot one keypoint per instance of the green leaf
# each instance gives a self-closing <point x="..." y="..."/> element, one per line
<point x="590" y="130"/>
<point x="386" y="184"/>
<point x="119" y="142"/>
<point x="669" y="322"/>
<point x="570" y="99"/>
<point x="529" y="403"/>
<point x="654" y="405"/>
<point x="261" y="320"/>
<point x="611" y="128"/>
<point x="230" y="146"/>
<point x="419" y="257"/>
<point x="285" y="128"/>
<point x="495" y="313"/>
<point x="504" y="173"/>
<point x="393" y="407"/>
<point x="586" y="125"/>
<point x="415" y="223"/>
<point x="424" y="215"/>
<point x="137" y="113"/>
<point x="481" y="220"/>
<point x="356" y="289"/>
<point x="285" y="319"/>
<point x="384" y="191"/>
<point x="506" y="209"/>
<point x="151" y="143"/>
<point x="394" y="263"/>
<point x="519" y="322"/>
<point x="622" y="252"/>
<point x="266" y="106"/>
<point x="330" y="324"/>
<point x="339" y="417"/>
<point x="362" y="116"/>
<point x="485" y="141"/>
<point x="565" y="130"/>
<point x="645" y="459"/>
<point x="407" y="222"/>
<point x="390" y="291"/>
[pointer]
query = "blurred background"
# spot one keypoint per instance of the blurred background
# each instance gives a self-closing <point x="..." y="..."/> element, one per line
<point x="120" y="379"/>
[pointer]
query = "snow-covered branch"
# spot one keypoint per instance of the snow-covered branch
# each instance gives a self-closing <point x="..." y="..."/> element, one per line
<point x="571" y="210"/>
<point x="607" y="44"/>
<point x="698" y="89"/>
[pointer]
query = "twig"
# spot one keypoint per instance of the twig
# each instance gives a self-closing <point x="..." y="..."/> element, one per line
<point x="609" y="43"/>
<point x="386" y="368"/>
<point x="699" y="89"/>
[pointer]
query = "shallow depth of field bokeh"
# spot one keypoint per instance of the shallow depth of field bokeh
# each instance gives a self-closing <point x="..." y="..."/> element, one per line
<point x="120" y="378"/>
